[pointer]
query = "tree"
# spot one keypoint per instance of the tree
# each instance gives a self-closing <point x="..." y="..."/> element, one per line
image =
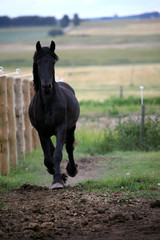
<point x="26" y="21"/>
<point x="65" y="21"/>
<point x="76" y="20"/>
<point x="5" y="21"/>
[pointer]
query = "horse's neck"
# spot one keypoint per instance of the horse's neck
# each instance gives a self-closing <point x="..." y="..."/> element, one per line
<point x="47" y="100"/>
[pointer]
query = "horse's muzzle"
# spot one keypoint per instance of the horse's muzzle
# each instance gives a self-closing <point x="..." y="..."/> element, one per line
<point x="47" y="88"/>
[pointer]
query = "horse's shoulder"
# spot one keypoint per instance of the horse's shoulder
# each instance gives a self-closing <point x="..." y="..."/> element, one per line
<point x="66" y="87"/>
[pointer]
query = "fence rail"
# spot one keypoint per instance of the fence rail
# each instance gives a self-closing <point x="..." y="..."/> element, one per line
<point x="17" y="136"/>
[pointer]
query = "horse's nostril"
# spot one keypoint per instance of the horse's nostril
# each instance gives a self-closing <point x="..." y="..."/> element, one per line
<point x="47" y="86"/>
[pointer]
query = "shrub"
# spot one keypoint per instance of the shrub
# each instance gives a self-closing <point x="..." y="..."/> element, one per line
<point x="55" y="32"/>
<point x="126" y="136"/>
<point x="151" y="139"/>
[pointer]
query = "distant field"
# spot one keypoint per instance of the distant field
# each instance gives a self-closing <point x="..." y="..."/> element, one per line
<point x="109" y="79"/>
<point x="102" y="82"/>
<point x="85" y="57"/>
<point x="119" y="27"/>
<point x="91" y="43"/>
<point x="103" y="76"/>
<point x="100" y="32"/>
<point x="26" y="34"/>
<point x="103" y="54"/>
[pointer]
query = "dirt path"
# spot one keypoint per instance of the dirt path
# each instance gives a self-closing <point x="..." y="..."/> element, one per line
<point x="88" y="168"/>
<point x="36" y="212"/>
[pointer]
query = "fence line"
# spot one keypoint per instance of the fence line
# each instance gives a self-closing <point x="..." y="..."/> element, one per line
<point x="4" y="163"/>
<point x="11" y="122"/>
<point x="17" y="136"/>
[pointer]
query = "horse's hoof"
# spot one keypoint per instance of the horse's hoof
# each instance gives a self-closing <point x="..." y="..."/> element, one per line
<point x="70" y="172"/>
<point x="64" y="177"/>
<point x="57" y="185"/>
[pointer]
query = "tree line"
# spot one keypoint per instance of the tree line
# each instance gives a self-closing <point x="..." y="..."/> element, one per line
<point x="29" y="21"/>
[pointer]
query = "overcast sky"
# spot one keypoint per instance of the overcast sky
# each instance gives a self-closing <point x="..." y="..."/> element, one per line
<point x="84" y="8"/>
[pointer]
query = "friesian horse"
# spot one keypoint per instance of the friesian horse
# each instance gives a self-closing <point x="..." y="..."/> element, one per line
<point x="54" y="110"/>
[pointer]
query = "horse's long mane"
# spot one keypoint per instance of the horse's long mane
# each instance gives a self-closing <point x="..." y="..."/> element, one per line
<point x="45" y="51"/>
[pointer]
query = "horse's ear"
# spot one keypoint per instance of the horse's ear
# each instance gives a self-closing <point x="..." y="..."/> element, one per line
<point x="52" y="46"/>
<point x="38" y="46"/>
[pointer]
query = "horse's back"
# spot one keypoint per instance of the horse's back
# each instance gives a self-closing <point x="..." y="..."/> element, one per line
<point x="72" y="103"/>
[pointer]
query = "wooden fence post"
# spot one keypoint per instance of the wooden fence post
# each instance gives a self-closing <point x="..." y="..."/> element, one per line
<point x="4" y="160"/>
<point x="19" y="118"/>
<point x="11" y="123"/>
<point x="35" y="138"/>
<point x="28" y="131"/>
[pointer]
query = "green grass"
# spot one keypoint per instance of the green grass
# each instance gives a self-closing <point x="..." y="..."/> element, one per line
<point x="83" y="57"/>
<point x="31" y="171"/>
<point x="25" y="34"/>
<point x="92" y="140"/>
<point x="105" y="40"/>
<point x="130" y="171"/>
<point x="118" y="107"/>
<point x="137" y="172"/>
<point x="16" y="59"/>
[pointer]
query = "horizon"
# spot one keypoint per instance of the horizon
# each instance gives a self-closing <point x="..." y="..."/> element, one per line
<point x="113" y="16"/>
<point x="84" y="8"/>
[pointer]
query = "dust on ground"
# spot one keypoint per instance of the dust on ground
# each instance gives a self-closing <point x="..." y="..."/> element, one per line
<point x="37" y="212"/>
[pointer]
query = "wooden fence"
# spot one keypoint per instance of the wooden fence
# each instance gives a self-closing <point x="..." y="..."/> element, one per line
<point x="17" y="136"/>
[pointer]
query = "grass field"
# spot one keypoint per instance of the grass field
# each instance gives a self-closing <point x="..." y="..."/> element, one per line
<point x="121" y="27"/>
<point x="109" y="79"/>
<point x="96" y="58"/>
<point x="131" y="172"/>
<point x="14" y="58"/>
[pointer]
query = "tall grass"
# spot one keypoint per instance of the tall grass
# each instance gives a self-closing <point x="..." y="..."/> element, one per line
<point x="125" y="136"/>
<point x="115" y="101"/>
<point x="118" y="107"/>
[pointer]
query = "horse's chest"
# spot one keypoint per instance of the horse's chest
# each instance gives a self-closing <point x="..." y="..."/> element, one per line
<point x="51" y="120"/>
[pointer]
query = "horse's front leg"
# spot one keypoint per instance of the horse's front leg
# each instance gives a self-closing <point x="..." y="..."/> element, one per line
<point x="57" y="158"/>
<point x="48" y="150"/>
<point x="71" y="167"/>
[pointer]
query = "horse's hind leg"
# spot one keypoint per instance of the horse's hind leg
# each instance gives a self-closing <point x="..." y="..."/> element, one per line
<point x="48" y="150"/>
<point x="71" y="167"/>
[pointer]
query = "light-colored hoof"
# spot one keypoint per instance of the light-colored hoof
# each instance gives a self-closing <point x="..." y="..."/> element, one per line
<point x="57" y="185"/>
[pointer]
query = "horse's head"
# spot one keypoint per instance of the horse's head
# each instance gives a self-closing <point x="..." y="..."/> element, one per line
<point x="43" y="67"/>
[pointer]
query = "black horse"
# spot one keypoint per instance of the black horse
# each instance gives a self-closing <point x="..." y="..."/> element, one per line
<point x="54" y="110"/>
